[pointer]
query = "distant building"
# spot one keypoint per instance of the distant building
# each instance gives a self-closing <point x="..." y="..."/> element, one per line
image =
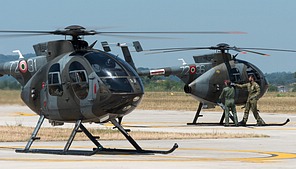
<point x="281" y="89"/>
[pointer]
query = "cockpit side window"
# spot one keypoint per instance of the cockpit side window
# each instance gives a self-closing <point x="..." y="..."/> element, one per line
<point x="78" y="76"/>
<point x="54" y="80"/>
<point x="235" y="75"/>
<point x="252" y="72"/>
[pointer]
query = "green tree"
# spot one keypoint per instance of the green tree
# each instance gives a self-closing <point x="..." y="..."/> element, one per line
<point x="272" y="88"/>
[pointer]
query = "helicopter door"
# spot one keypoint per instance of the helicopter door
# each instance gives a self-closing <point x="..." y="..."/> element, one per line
<point x="54" y="81"/>
<point x="50" y="97"/>
<point x="79" y="83"/>
<point x="85" y="86"/>
<point x="79" y="80"/>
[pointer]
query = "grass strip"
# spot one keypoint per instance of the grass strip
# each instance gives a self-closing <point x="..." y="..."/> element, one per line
<point x="22" y="133"/>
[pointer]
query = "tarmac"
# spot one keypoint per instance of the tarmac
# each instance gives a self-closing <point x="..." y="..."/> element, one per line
<point x="278" y="150"/>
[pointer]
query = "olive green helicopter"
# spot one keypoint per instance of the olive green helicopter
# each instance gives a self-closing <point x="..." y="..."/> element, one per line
<point x="204" y="79"/>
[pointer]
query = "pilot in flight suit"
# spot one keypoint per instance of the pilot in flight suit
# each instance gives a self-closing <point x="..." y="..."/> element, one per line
<point x="254" y="92"/>
<point x="228" y="94"/>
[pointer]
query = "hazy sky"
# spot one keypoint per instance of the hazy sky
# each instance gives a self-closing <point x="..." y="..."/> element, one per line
<point x="269" y="24"/>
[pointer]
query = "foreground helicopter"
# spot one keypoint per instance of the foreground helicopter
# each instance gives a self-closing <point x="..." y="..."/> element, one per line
<point x="69" y="81"/>
<point x="204" y="79"/>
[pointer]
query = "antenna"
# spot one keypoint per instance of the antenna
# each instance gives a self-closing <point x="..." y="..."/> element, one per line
<point x="184" y="63"/>
<point x="19" y="53"/>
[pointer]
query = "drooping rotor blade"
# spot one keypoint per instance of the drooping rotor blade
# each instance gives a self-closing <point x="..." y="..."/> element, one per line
<point x="270" y="49"/>
<point x="255" y="52"/>
<point x="251" y="50"/>
<point x="168" y="50"/>
<point x="184" y="48"/>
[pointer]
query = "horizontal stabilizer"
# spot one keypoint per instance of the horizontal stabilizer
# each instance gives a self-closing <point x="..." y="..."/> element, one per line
<point x="106" y="46"/>
<point x="137" y="46"/>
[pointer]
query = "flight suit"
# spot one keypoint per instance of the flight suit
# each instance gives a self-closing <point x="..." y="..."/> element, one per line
<point x="228" y="94"/>
<point x="254" y="92"/>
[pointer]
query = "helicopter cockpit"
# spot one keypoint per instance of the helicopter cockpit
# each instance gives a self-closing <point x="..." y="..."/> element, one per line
<point x="111" y="71"/>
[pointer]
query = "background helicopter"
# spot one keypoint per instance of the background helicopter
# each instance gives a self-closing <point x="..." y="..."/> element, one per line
<point x="70" y="81"/>
<point x="204" y="79"/>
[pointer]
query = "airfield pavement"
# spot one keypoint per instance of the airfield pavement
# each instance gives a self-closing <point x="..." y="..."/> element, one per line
<point x="276" y="151"/>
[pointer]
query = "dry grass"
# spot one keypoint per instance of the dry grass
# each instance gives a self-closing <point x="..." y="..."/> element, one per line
<point x="271" y="102"/>
<point x="11" y="97"/>
<point x="21" y="133"/>
<point x="278" y="103"/>
<point x="168" y="101"/>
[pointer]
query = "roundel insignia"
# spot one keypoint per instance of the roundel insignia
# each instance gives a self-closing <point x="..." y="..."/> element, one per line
<point x="192" y="69"/>
<point x="23" y="67"/>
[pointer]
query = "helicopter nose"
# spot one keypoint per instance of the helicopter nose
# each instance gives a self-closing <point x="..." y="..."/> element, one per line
<point x="207" y="86"/>
<point x="198" y="88"/>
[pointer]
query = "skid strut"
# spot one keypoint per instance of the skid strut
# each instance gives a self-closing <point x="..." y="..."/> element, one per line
<point x="197" y="114"/>
<point x="99" y="149"/>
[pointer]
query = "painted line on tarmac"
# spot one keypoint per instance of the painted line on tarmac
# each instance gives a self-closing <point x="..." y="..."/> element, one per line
<point x="24" y="114"/>
<point x="256" y="156"/>
<point x="178" y="124"/>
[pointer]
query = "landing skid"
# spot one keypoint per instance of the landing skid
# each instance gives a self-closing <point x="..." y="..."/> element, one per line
<point x="247" y="125"/>
<point x="270" y="124"/>
<point x="99" y="149"/>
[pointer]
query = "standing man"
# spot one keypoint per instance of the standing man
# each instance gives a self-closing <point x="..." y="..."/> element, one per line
<point x="228" y="94"/>
<point x="254" y="92"/>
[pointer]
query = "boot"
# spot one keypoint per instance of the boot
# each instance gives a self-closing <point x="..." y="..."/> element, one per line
<point x="241" y="123"/>
<point x="260" y="122"/>
<point x="226" y="125"/>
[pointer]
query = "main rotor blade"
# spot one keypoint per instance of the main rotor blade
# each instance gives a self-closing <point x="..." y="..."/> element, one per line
<point x="173" y="32"/>
<point x="125" y="32"/>
<point x="184" y="48"/>
<point x="136" y="36"/>
<point x="269" y="49"/>
<point x="259" y="53"/>
<point x="76" y="31"/>
<point x="168" y="50"/>
<point x="222" y="48"/>
<point x="22" y="35"/>
<point x="26" y="32"/>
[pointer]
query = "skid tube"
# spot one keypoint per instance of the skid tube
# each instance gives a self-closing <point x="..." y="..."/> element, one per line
<point x="99" y="149"/>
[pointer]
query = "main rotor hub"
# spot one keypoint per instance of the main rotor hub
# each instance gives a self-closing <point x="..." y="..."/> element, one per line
<point x="224" y="46"/>
<point x="221" y="47"/>
<point x="75" y="27"/>
<point x="75" y="31"/>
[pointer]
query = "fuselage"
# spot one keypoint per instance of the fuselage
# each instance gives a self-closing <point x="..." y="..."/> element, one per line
<point x="89" y="85"/>
<point x="208" y="86"/>
<point x="204" y="79"/>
